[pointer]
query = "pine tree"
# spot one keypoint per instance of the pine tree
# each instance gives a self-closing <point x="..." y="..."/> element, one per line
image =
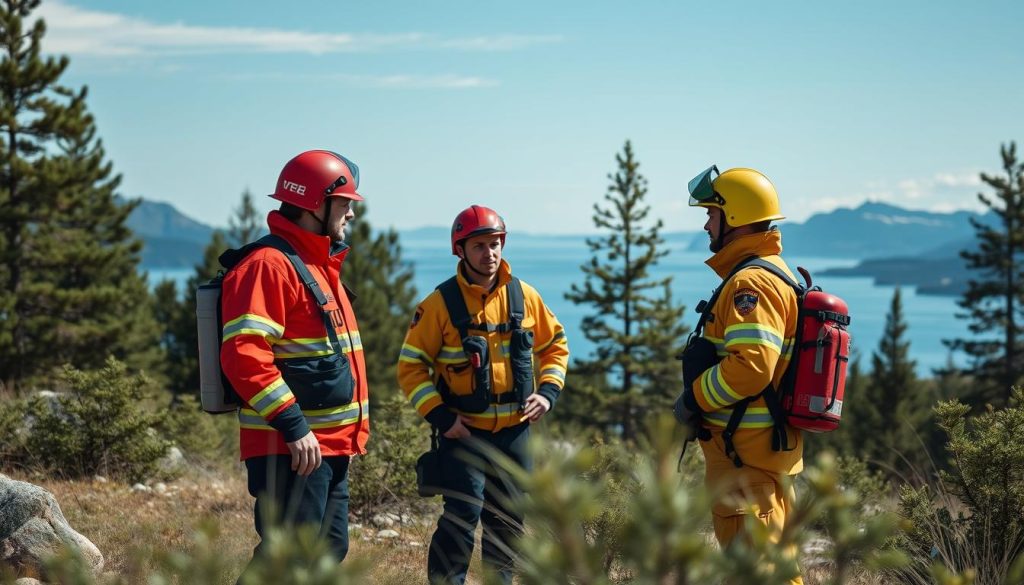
<point x="636" y="326"/>
<point x="71" y="292"/>
<point x="246" y="225"/>
<point x="994" y="300"/>
<point x="386" y="300"/>
<point x="177" y="313"/>
<point x="888" y="423"/>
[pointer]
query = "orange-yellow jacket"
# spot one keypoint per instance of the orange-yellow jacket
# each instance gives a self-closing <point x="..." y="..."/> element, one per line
<point x="278" y="357"/>
<point x="754" y="325"/>
<point x="433" y="350"/>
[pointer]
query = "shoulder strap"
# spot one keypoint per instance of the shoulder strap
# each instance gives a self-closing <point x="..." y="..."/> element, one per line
<point x="281" y="245"/>
<point x="516" y="303"/>
<point x="705" y="308"/>
<point x="459" y="313"/>
<point x="456" y="305"/>
<point x="766" y="265"/>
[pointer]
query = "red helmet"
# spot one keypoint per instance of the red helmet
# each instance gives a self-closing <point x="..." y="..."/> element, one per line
<point x="315" y="174"/>
<point x="474" y="221"/>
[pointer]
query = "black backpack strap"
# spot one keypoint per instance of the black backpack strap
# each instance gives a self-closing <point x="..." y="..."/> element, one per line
<point x="456" y="305"/>
<point x="705" y="308"/>
<point x="281" y="245"/>
<point x="738" y="411"/>
<point x="766" y="265"/>
<point x="516" y="303"/>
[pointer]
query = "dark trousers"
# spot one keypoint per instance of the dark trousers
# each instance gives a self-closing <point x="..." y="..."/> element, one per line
<point x="285" y="499"/>
<point x="476" y="491"/>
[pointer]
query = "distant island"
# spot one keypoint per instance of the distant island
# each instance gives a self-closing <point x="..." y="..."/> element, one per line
<point x="895" y="246"/>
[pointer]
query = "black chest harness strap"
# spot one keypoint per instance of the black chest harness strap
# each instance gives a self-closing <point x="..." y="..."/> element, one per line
<point x="477" y="347"/>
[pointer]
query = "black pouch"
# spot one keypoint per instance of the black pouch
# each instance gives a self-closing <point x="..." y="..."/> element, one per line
<point x="699" y="355"/>
<point x="521" y="355"/>
<point x="481" y="397"/>
<point x="428" y="470"/>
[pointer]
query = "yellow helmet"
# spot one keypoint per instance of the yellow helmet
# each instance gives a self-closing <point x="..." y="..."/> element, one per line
<point x="745" y="196"/>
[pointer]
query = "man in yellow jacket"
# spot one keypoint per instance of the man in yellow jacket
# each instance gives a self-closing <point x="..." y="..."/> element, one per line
<point x="746" y="346"/>
<point x="467" y="366"/>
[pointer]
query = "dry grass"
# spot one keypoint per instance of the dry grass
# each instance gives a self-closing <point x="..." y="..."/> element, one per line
<point x="124" y="524"/>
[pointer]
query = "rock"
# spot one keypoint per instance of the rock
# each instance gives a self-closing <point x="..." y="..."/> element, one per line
<point x="140" y="488"/>
<point x="173" y="462"/>
<point x="99" y="479"/>
<point x="387" y="533"/>
<point x="353" y="526"/>
<point x="383" y="520"/>
<point x="28" y="581"/>
<point x="160" y="487"/>
<point x="32" y="527"/>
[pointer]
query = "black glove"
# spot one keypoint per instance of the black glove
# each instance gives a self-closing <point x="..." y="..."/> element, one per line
<point x="698" y="356"/>
<point x="688" y="413"/>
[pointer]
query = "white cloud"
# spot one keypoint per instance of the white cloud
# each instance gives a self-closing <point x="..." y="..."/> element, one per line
<point x="380" y="81"/>
<point x="941" y="192"/>
<point x="83" y="32"/>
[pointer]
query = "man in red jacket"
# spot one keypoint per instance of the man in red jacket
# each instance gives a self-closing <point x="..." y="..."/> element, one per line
<point x="303" y="387"/>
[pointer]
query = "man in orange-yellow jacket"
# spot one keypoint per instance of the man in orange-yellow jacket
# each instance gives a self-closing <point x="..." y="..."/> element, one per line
<point x="467" y="366"/>
<point x="298" y="367"/>
<point x="747" y="343"/>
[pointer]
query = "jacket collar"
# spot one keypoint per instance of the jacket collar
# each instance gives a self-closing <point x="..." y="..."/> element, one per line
<point x="504" y="277"/>
<point x="311" y="247"/>
<point x="767" y="243"/>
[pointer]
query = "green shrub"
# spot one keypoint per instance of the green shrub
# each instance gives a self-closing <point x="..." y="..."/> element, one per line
<point x="99" y="426"/>
<point x="386" y="476"/>
<point x="207" y="440"/>
<point x="971" y="523"/>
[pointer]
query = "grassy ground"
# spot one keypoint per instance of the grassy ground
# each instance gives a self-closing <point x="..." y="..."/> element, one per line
<point x="124" y="524"/>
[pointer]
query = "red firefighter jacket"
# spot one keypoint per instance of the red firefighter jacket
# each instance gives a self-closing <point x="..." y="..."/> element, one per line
<point x="277" y="354"/>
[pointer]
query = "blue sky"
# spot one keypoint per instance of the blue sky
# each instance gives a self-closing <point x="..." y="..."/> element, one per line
<point x="523" y="105"/>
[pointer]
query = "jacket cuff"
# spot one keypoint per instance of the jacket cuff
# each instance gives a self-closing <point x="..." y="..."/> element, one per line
<point x="290" y="423"/>
<point x="441" y="418"/>
<point x="549" y="391"/>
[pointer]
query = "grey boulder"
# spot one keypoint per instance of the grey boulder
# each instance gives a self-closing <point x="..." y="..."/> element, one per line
<point x="32" y="528"/>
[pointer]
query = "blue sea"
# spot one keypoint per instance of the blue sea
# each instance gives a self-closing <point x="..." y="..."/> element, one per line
<point x="552" y="264"/>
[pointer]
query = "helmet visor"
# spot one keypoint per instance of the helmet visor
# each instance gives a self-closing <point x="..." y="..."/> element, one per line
<point x="353" y="170"/>
<point x="701" y="187"/>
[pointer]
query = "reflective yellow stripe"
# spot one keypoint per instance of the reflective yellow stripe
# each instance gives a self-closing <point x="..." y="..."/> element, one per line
<point x="422" y="393"/>
<point x="252" y="324"/>
<point x="413" y="354"/>
<point x="325" y="418"/>
<point x="270" y="398"/>
<point x="451" y="355"/>
<point x="753" y="334"/>
<point x="756" y="417"/>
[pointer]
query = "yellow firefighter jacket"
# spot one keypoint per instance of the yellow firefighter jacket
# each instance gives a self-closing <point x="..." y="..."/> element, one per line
<point x="753" y="329"/>
<point x="433" y="350"/>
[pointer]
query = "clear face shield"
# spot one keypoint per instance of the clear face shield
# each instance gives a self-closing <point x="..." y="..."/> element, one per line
<point x="702" y="189"/>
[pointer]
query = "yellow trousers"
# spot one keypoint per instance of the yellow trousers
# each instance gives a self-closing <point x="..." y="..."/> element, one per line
<point x="745" y="492"/>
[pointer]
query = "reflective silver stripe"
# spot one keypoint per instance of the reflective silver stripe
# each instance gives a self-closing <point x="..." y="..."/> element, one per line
<point x="753" y="335"/>
<point x="558" y="337"/>
<point x="750" y="419"/>
<point x="553" y="372"/>
<point x="722" y="394"/>
<point x="268" y="401"/>
<point x="413" y="356"/>
<point x="306" y="346"/>
<point x="422" y="394"/>
<point x="250" y="326"/>
<point x="451" y="356"/>
<point x="316" y="419"/>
